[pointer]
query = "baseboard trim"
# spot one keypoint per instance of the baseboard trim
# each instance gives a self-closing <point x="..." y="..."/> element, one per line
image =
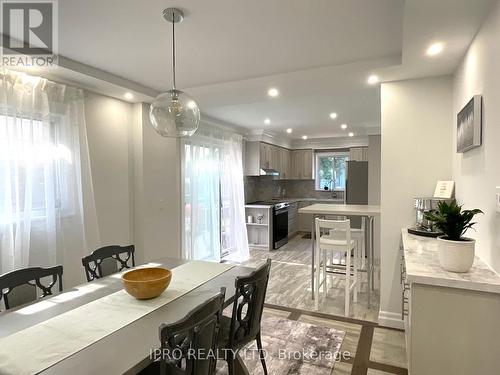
<point x="390" y="319"/>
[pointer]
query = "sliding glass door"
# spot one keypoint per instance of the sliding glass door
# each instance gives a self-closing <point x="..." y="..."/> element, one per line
<point x="213" y="211"/>
<point x="201" y="232"/>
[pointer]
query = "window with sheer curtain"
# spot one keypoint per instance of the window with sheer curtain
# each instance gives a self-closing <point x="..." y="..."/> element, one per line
<point x="214" y="214"/>
<point x="42" y="144"/>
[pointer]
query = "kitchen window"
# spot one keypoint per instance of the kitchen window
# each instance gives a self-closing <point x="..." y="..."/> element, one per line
<point x="331" y="170"/>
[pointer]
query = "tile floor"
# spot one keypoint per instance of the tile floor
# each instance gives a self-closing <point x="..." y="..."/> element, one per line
<point x="373" y="350"/>
<point x="383" y="349"/>
<point x="290" y="282"/>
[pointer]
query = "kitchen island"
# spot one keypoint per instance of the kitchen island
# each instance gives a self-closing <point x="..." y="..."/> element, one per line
<point x="366" y="212"/>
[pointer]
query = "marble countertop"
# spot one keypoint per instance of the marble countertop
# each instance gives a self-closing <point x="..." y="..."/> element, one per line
<point x="341" y="209"/>
<point x="422" y="267"/>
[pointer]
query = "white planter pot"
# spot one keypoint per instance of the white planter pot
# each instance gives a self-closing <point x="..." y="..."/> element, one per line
<point x="456" y="256"/>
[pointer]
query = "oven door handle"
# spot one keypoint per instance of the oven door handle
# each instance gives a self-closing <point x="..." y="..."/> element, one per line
<point x="281" y="211"/>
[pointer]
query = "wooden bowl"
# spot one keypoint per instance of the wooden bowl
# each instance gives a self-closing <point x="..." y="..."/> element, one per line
<point x="146" y="283"/>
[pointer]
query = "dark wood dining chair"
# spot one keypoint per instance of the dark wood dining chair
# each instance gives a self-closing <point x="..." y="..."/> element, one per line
<point x="26" y="285"/>
<point x="108" y="260"/>
<point x="244" y="325"/>
<point x="189" y="346"/>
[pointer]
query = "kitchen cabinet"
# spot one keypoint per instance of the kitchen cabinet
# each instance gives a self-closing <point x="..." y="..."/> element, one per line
<point x="296" y="164"/>
<point x="285" y="164"/>
<point x="276" y="158"/>
<point x="260" y="233"/>
<point x="270" y="156"/>
<point x="450" y="319"/>
<point x="257" y="155"/>
<point x="265" y="155"/>
<point x="293" y="219"/>
<point x="302" y="164"/>
<point x="358" y="154"/>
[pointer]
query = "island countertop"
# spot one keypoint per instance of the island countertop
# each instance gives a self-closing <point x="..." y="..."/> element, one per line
<point x="422" y="267"/>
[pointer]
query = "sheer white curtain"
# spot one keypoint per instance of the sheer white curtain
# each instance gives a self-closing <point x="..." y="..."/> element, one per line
<point x="214" y="204"/>
<point x="44" y="176"/>
<point x="201" y="201"/>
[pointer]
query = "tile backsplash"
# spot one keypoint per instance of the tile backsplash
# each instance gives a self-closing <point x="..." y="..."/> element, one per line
<point x="267" y="187"/>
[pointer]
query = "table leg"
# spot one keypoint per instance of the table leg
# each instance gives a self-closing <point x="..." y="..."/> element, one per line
<point x="312" y="255"/>
<point x="239" y="366"/>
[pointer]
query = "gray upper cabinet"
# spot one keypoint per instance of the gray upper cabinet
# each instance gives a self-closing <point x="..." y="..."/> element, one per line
<point x="292" y="165"/>
<point x="358" y="154"/>
<point x="252" y="160"/>
<point x="302" y="165"/>
<point x="265" y="155"/>
<point x="285" y="164"/>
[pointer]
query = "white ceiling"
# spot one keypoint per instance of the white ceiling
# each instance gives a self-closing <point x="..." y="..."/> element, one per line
<point x="318" y="53"/>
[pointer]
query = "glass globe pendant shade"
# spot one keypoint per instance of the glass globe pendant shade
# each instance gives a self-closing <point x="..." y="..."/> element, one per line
<point x="174" y="114"/>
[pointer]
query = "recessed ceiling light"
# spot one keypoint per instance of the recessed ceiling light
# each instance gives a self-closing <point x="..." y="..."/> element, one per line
<point x="333" y="115"/>
<point x="304" y="137"/>
<point x="373" y="79"/>
<point x="351" y="134"/>
<point x="267" y="121"/>
<point x="289" y="130"/>
<point x="343" y="126"/>
<point x="128" y="96"/>
<point x="273" y="92"/>
<point x="435" y="49"/>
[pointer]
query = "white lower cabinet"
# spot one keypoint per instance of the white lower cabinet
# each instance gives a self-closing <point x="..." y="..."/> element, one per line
<point x="259" y="232"/>
<point x="450" y="330"/>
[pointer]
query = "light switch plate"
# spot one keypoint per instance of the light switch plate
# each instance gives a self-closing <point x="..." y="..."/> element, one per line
<point x="498" y="198"/>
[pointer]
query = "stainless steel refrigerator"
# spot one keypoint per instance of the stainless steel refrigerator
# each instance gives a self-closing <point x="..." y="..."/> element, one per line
<point x="356" y="187"/>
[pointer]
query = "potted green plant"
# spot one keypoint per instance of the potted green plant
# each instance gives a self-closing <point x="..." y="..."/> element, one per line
<point x="456" y="252"/>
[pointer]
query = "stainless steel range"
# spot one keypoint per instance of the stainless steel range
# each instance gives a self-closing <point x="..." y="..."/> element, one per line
<point x="280" y="221"/>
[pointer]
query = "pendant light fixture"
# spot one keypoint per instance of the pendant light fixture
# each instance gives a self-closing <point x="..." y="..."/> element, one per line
<point x="173" y="113"/>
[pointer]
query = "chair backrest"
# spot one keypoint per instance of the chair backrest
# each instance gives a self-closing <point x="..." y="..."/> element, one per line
<point x="189" y="347"/>
<point x="248" y="305"/>
<point x="108" y="260"/>
<point x="342" y="228"/>
<point x="26" y="285"/>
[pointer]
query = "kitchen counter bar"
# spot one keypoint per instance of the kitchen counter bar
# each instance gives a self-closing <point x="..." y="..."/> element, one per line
<point x="422" y="267"/>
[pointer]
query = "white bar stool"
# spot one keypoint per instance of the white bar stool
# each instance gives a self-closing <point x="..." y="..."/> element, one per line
<point x="343" y="244"/>
<point x="359" y="235"/>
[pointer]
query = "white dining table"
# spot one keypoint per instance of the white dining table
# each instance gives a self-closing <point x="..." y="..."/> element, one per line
<point x="125" y="349"/>
<point x="366" y="212"/>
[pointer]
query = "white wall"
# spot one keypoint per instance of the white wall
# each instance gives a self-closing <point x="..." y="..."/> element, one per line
<point x="415" y="153"/>
<point x="108" y="122"/>
<point x="157" y="190"/>
<point x="373" y="156"/>
<point x="135" y="175"/>
<point x="477" y="172"/>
